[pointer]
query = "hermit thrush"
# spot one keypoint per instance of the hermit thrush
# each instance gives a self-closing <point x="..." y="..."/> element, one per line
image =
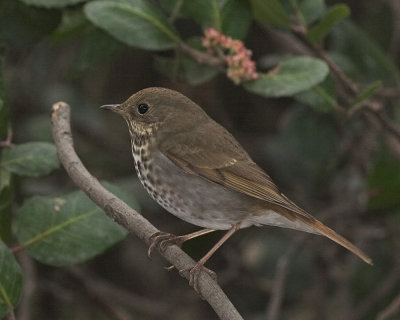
<point x="196" y="170"/>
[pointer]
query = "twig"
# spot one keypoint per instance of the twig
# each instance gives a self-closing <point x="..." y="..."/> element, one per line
<point x="136" y="302"/>
<point x="125" y="215"/>
<point x="11" y="316"/>
<point x="278" y="288"/>
<point x="368" y="106"/>
<point x="392" y="308"/>
<point x="383" y="287"/>
<point x="24" y="310"/>
<point x="175" y="11"/>
<point x="343" y="79"/>
<point x="300" y="30"/>
<point x="351" y="89"/>
<point x="280" y="278"/>
<point x="388" y="92"/>
<point x="98" y="297"/>
<point x="8" y="141"/>
<point x="385" y="122"/>
<point x="202" y="57"/>
<point x="391" y="133"/>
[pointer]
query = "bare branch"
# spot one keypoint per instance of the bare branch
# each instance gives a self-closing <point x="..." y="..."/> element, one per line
<point x="281" y="271"/>
<point x="8" y="141"/>
<point x="383" y="287"/>
<point x="392" y="308"/>
<point x="202" y="57"/>
<point x="125" y="215"/>
<point x="346" y="82"/>
<point x="115" y="294"/>
<point x="279" y="287"/>
<point x="11" y="316"/>
<point x="27" y="303"/>
<point x="98" y="297"/>
<point x="351" y="89"/>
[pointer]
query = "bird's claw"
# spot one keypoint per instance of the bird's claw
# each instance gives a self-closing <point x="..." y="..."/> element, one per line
<point x="194" y="276"/>
<point x="162" y="240"/>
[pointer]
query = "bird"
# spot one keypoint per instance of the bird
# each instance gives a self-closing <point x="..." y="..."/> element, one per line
<point x="195" y="169"/>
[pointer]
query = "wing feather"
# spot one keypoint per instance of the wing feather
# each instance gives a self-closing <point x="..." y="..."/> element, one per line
<point x="224" y="162"/>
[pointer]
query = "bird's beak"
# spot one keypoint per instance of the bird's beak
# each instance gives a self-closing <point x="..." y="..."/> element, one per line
<point x="112" y="107"/>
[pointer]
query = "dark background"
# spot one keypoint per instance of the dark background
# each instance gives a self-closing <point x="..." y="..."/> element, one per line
<point x="325" y="163"/>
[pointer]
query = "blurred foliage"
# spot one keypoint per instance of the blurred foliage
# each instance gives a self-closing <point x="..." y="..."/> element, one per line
<point x="323" y="116"/>
<point x="10" y="281"/>
<point x="32" y="159"/>
<point x="52" y="229"/>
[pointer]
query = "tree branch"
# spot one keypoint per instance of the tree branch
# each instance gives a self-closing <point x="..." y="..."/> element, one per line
<point x="350" y="89"/>
<point x="277" y="294"/>
<point x="92" y="292"/>
<point x="383" y="287"/>
<point x="30" y="290"/>
<point x="125" y="215"/>
<point x="281" y="272"/>
<point x="202" y="57"/>
<point x="134" y="302"/>
<point x="390" y="310"/>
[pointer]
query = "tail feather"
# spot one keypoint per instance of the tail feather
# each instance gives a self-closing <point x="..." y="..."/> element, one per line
<point x="303" y="221"/>
<point x="329" y="233"/>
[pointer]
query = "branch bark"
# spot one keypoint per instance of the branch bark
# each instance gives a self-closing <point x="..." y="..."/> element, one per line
<point x="202" y="57"/>
<point x="120" y="212"/>
<point x="390" y="310"/>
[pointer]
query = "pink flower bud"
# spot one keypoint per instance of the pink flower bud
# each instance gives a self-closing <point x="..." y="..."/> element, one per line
<point x="240" y="67"/>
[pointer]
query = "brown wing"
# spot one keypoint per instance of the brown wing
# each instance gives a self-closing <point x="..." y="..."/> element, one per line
<point x="224" y="161"/>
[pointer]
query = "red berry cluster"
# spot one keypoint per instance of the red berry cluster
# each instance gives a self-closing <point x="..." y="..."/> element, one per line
<point x="240" y="67"/>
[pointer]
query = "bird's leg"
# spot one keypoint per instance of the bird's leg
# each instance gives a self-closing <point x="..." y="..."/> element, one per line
<point x="164" y="239"/>
<point x="195" y="271"/>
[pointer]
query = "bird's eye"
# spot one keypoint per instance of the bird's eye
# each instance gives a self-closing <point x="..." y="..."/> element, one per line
<point x="142" y="108"/>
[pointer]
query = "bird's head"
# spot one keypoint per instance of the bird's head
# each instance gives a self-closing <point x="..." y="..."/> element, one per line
<point x="158" y="109"/>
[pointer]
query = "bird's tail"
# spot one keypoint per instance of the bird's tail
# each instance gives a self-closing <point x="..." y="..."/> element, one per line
<point x="329" y="233"/>
<point x="305" y="222"/>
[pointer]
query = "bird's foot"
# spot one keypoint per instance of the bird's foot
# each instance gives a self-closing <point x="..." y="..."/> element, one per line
<point x="194" y="274"/>
<point x="162" y="240"/>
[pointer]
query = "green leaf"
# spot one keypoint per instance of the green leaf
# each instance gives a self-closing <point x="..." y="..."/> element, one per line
<point x="52" y="3"/>
<point x="10" y="281"/>
<point x="21" y="25"/>
<point x="69" y="229"/>
<point x="73" y="22"/>
<point x="6" y="200"/>
<point x="367" y="57"/>
<point x="236" y="18"/>
<point x="134" y="22"/>
<point x="32" y="159"/>
<point x="205" y="12"/>
<point x="270" y="12"/>
<point x="321" y="30"/>
<point x="384" y="182"/>
<point x="232" y="17"/>
<point x="321" y="98"/>
<point x="300" y="136"/>
<point x="184" y="69"/>
<point x="97" y="48"/>
<point x="364" y="95"/>
<point x="305" y="149"/>
<point x="290" y="77"/>
<point x="312" y="10"/>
